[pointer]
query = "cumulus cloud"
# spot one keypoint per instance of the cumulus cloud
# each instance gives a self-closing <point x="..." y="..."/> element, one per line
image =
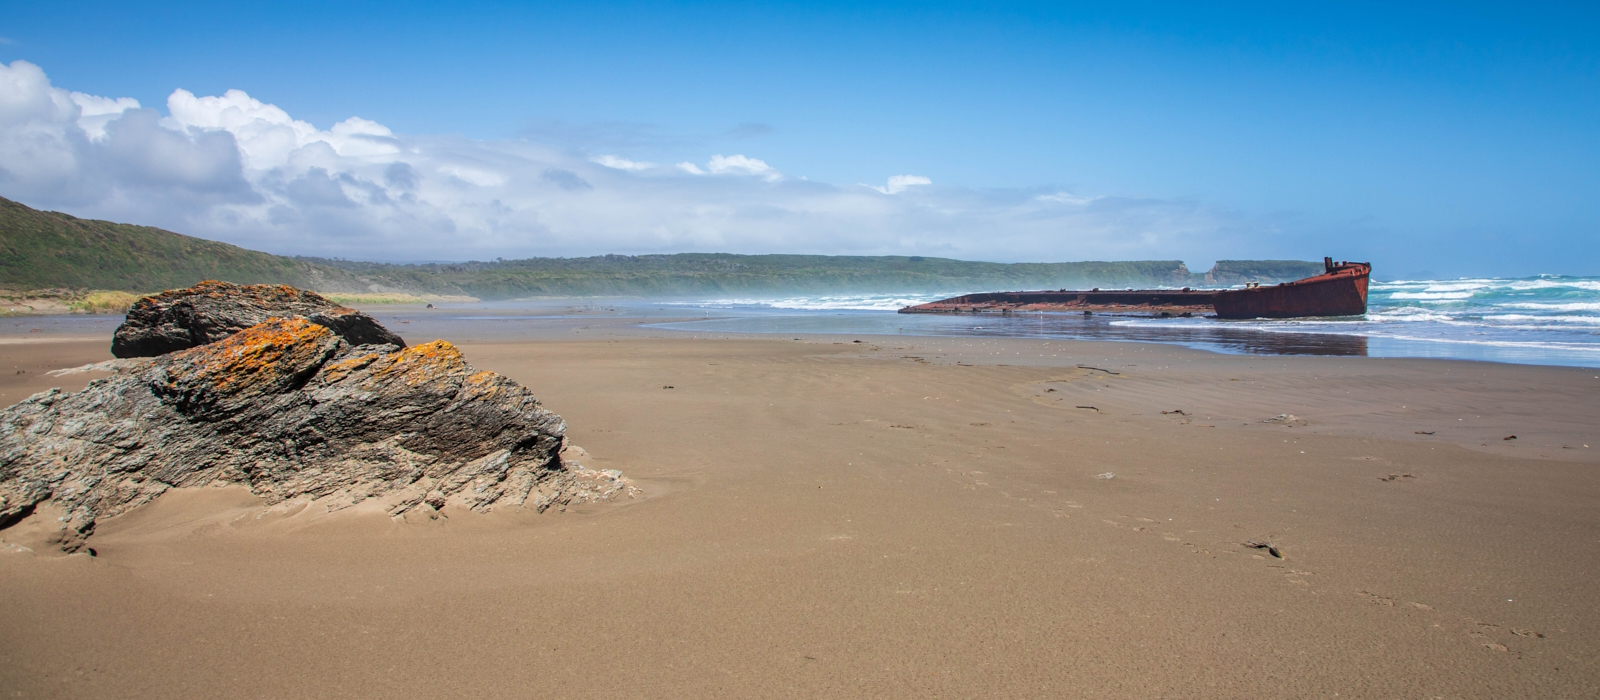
<point x="742" y="165"/>
<point x="899" y="183"/>
<point x="139" y="151"/>
<point x="267" y="136"/>
<point x="95" y="112"/>
<point x="235" y="168"/>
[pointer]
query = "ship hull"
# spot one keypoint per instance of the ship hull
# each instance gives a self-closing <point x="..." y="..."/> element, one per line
<point x="1342" y="291"/>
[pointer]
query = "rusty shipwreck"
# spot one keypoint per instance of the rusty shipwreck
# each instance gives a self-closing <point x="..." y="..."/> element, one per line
<point x="1341" y="290"/>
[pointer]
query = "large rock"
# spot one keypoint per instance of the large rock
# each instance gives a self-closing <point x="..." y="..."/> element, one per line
<point x="179" y="319"/>
<point x="292" y="410"/>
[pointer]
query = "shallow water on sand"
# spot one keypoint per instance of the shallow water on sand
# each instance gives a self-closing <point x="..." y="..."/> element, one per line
<point x="1547" y="320"/>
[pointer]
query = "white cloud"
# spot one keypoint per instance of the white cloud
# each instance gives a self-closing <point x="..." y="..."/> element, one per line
<point x="238" y="169"/>
<point x="899" y="183"/>
<point x="95" y="112"/>
<point x="1066" y="198"/>
<point x="267" y="136"/>
<point x="742" y="165"/>
<point x="41" y="144"/>
<point x="622" y="163"/>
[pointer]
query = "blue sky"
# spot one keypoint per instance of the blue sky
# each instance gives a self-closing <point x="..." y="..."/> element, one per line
<point x="1453" y="139"/>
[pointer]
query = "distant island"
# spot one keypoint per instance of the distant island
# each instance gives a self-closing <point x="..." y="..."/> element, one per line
<point x="53" y="253"/>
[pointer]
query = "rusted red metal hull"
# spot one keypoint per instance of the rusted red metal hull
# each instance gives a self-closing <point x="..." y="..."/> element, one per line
<point x="1341" y="291"/>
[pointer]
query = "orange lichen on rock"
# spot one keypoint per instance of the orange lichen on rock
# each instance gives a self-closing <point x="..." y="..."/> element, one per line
<point x="337" y="370"/>
<point x="216" y="289"/>
<point x="262" y="351"/>
<point x="425" y="363"/>
<point x="262" y="360"/>
<point x="483" y="383"/>
<point x="178" y="319"/>
<point x="293" y="410"/>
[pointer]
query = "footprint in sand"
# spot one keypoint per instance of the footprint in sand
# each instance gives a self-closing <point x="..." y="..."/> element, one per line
<point x="1485" y="631"/>
<point x="969" y="479"/>
<point x="1376" y="599"/>
<point x="1479" y="633"/>
<point x="1294" y="576"/>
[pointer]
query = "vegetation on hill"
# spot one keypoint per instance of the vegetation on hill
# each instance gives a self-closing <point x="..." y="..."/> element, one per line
<point x="41" y="249"/>
<point x="103" y="302"/>
<point x="1241" y="271"/>
<point x="702" y="274"/>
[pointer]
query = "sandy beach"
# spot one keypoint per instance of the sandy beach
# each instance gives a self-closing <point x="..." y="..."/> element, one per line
<point x="896" y="517"/>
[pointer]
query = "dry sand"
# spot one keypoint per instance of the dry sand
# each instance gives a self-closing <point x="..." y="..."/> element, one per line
<point x="894" y="518"/>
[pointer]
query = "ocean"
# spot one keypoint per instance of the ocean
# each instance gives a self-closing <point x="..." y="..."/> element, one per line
<point x="1547" y="320"/>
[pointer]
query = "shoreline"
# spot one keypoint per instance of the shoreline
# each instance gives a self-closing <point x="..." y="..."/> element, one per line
<point x="1265" y="338"/>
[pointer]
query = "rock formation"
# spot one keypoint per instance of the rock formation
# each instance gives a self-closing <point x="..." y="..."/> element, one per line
<point x="210" y="311"/>
<point x="291" y="409"/>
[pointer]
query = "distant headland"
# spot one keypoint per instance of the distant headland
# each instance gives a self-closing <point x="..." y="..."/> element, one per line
<point x="42" y="250"/>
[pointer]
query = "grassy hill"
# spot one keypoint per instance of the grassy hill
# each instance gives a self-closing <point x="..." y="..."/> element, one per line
<point x="40" y="249"/>
<point x="699" y="274"/>
<point x="1240" y="271"/>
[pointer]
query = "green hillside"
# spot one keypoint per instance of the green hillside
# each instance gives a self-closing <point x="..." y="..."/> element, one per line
<point x="41" y="249"/>
<point x="1240" y="271"/>
<point x="721" y="273"/>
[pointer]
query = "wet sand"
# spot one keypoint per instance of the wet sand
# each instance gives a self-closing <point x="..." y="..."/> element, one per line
<point x="901" y="517"/>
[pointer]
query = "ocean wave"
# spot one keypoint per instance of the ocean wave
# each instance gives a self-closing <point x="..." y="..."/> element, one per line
<point x="1584" y="284"/>
<point x="1548" y="306"/>
<point x="1585" y="320"/>
<point x="1578" y="347"/>
<point x="1488" y="284"/>
<point x="1432" y="295"/>
<point x="1407" y="314"/>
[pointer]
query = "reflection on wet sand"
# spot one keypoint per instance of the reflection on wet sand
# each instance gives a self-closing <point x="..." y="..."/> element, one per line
<point x="1218" y="337"/>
